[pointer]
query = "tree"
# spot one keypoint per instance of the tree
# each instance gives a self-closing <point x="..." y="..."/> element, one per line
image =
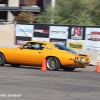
<point x="25" y="17"/>
<point x="79" y="12"/>
<point x="45" y="17"/>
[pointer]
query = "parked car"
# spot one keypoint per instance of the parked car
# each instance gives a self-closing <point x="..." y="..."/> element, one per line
<point x="33" y="53"/>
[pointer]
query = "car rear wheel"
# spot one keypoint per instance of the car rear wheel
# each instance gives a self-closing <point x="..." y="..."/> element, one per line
<point x="2" y="60"/>
<point x="15" y="65"/>
<point x="68" y="68"/>
<point x="53" y="63"/>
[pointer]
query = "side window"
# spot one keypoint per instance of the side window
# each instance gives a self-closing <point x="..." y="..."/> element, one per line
<point x="39" y="46"/>
<point x="43" y="46"/>
<point x="27" y="46"/>
<point x="34" y="46"/>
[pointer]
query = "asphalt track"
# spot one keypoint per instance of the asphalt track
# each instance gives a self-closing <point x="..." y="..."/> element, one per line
<point x="30" y="83"/>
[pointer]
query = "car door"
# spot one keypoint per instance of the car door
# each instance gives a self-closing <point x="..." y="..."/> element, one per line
<point x="29" y="54"/>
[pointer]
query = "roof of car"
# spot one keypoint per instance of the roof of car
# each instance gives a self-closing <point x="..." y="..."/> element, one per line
<point x="41" y="41"/>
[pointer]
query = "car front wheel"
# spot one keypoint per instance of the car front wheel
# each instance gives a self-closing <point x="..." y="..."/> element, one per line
<point x="2" y="60"/>
<point x="53" y="63"/>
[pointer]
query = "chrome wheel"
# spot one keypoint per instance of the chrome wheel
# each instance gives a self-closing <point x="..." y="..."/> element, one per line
<point x="53" y="63"/>
<point x="2" y="59"/>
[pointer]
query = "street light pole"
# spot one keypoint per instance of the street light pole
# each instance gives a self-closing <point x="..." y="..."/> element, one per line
<point x="53" y="2"/>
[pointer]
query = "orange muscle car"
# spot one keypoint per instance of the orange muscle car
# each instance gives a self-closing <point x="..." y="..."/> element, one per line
<point x="33" y="53"/>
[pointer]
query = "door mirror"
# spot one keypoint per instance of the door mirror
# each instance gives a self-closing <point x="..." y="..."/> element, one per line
<point x="21" y="47"/>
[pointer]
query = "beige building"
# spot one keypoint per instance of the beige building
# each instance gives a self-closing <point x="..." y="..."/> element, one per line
<point x="10" y="8"/>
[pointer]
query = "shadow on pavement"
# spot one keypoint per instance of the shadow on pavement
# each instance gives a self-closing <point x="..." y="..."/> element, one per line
<point x="37" y="68"/>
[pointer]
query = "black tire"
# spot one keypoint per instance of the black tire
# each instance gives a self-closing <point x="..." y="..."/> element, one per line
<point x="68" y="68"/>
<point x="55" y="63"/>
<point x="2" y="60"/>
<point x="15" y="65"/>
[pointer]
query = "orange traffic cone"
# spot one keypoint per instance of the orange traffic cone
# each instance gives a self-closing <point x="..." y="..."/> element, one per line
<point x="44" y="65"/>
<point x="98" y="67"/>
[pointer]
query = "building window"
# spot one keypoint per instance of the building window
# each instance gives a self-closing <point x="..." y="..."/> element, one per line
<point x="47" y="3"/>
<point x="28" y="2"/>
<point x="3" y="15"/>
<point x="4" y="2"/>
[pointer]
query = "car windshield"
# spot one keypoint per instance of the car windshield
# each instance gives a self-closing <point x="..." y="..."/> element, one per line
<point x="62" y="47"/>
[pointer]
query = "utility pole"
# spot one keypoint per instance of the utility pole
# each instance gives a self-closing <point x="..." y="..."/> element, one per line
<point x="53" y="3"/>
